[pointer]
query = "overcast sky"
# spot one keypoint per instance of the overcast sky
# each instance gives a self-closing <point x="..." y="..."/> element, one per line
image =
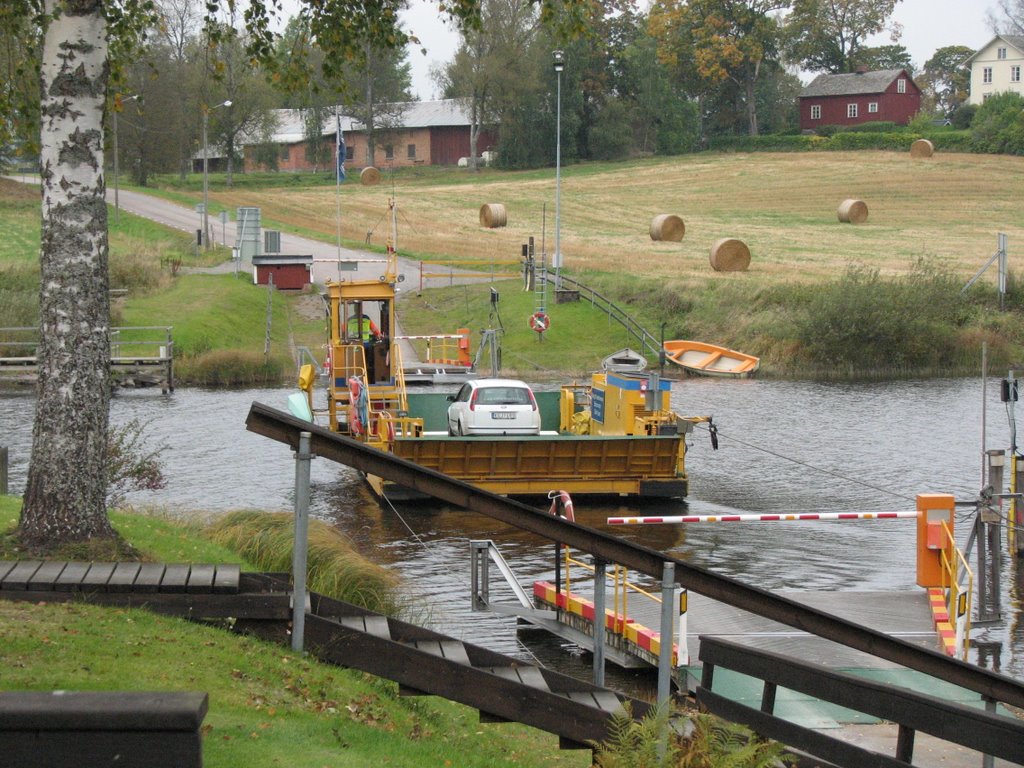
<point x="927" y="26"/>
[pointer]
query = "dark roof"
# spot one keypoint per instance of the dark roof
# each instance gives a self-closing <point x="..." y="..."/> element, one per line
<point x="281" y="259"/>
<point x="852" y="84"/>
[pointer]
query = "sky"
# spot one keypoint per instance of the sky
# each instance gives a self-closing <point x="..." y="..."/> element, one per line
<point x="927" y="26"/>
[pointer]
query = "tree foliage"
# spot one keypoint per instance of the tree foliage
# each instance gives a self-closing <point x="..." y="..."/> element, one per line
<point x="828" y="35"/>
<point x="946" y="79"/>
<point x="998" y="125"/>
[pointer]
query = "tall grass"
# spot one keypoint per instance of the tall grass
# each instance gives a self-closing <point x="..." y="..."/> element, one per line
<point x="335" y="568"/>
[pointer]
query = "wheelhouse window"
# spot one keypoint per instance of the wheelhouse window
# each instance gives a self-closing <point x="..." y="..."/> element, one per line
<point x="901" y="85"/>
<point x="873" y="107"/>
<point x="986" y="75"/>
<point x="815" y="111"/>
<point x="851" y="110"/>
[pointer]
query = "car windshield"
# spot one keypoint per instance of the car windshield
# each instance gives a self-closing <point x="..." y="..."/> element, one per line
<point x="503" y="396"/>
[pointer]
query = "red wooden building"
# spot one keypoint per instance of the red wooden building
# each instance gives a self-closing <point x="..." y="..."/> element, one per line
<point x="288" y="272"/>
<point x="889" y="95"/>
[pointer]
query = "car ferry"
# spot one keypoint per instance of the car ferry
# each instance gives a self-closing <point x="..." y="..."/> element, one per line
<point x="615" y="434"/>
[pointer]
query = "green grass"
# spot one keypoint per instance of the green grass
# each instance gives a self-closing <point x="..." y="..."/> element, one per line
<point x="268" y="706"/>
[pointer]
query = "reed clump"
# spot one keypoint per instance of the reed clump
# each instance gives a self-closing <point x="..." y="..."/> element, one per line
<point x="230" y="368"/>
<point x="334" y="569"/>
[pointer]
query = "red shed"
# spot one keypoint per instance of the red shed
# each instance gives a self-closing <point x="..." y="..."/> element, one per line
<point x="859" y="97"/>
<point x="294" y="272"/>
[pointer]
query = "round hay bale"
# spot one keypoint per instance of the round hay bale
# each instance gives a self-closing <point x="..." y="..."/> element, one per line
<point x="667" y="226"/>
<point x="922" y="148"/>
<point x="493" y="215"/>
<point x="853" y="211"/>
<point x="730" y="255"/>
<point x="369" y="176"/>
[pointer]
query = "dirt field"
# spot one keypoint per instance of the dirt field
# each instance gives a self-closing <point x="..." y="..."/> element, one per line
<point x="783" y="206"/>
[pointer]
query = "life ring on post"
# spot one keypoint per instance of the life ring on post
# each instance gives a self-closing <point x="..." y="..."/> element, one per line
<point x="539" y="322"/>
<point x="561" y="505"/>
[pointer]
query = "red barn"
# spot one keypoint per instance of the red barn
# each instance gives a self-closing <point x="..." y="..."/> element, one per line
<point x="288" y="272"/>
<point x="889" y="95"/>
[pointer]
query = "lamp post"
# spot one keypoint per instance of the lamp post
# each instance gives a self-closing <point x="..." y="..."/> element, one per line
<point x="117" y="168"/>
<point x="559" y="57"/>
<point x="206" y="172"/>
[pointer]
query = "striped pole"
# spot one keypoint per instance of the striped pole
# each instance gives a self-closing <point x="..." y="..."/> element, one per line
<point x="671" y="520"/>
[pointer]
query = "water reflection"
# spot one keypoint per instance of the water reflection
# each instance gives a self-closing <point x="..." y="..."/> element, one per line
<point x="784" y="447"/>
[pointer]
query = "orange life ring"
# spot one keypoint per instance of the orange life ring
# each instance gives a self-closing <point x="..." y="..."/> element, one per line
<point x="354" y="422"/>
<point x="561" y="499"/>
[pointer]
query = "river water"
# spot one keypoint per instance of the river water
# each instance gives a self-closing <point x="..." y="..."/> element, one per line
<point x="784" y="447"/>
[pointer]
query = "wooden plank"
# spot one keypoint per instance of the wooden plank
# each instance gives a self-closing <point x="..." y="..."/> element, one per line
<point x="103" y="710"/>
<point x="71" y="577"/>
<point x="131" y="749"/>
<point x="20" y="575"/>
<point x="97" y="576"/>
<point x="47" y="575"/>
<point x="149" y="578"/>
<point x="200" y="579"/>
<point x="524" y="673"/>
<point x="374" y="625"/>
<point x="5" y="567"/>
<point x="269" y="607"/>
<point x="796" y="736"/>
<point x="175" y="578"/>
<point x="123" y="577"/>
<point x="974" y="728"/>
<point x="227" y="579"/>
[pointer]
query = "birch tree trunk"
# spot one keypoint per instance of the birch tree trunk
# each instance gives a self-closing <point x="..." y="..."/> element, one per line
<point x="65" y="495"/>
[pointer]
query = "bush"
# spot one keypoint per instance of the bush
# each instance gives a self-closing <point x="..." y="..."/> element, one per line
<point x="770" y="143"/>
<point x="877" y="126"/>
<point x="962" y="116"/>
<point x="847" y="140"/>
<point x="229" y="368"/>
<point x="866" y="324"/>
<point x="998" y="126"/>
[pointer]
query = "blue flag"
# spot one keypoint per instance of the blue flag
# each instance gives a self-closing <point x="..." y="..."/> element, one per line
<point x="340" y="160"/>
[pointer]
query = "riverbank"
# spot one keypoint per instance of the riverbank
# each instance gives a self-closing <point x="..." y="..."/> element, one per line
<point x="268" y="705"/>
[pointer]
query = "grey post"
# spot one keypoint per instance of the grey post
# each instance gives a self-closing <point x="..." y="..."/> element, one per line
<point x="302" y="459"/>
<point x="668" y="632"/>
<point x="599" y="621"/>
<point x="3" y="470"/>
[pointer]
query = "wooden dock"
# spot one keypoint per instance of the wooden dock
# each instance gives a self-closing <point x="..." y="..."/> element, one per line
<point x="140" y="356"/>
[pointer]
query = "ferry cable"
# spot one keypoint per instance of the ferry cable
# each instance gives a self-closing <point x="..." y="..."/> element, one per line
<point x="811" y="466"/>
<point x="454" y="576"/>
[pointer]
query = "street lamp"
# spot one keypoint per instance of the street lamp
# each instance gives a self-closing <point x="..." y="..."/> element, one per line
<point x="559" y="66"/>
<point x="117" y="170"/>
<point x="206" y="172"/>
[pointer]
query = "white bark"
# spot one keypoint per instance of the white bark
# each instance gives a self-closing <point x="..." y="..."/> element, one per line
<point x="66" y="488"/>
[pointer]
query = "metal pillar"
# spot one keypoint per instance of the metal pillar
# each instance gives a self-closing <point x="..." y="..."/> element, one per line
<point x="302" y="459"/>
<point x="668" y="634"/>
<point x="600" y="620"/>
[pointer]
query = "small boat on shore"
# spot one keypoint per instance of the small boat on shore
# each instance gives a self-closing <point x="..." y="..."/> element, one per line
<point x="624" y="361"/>
<point x="705" y="359"/>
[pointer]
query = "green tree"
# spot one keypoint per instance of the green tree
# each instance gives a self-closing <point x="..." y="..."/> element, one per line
<point x="998" y="125"/>
<point x="827" y="35"/>
<point x="946" y="79"/>
<point x="883" y="57"/>
<point x="723" y="40"/>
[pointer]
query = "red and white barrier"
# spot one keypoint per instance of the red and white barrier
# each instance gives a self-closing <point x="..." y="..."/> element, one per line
<point x="779" y="518"/>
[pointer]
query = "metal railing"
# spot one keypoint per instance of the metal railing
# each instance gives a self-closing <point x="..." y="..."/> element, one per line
<point x="616" y="313"/>
<point x="958" y="598"/>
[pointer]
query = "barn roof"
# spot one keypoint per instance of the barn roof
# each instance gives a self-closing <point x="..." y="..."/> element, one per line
<point x="852" y="84"/>
<point x="291" y="125"/>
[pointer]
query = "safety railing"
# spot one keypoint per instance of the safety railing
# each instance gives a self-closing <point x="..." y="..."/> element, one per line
<point x="444" y="348"/>
<point x="958" y="596"/>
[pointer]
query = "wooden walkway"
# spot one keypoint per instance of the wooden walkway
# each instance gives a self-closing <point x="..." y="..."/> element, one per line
<point x="421" y="661"/>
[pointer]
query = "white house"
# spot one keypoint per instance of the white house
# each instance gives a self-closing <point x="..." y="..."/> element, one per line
<point x="997" y="68"/>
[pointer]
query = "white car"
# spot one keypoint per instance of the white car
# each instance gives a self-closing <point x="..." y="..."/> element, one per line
<point x="494" y="407"/>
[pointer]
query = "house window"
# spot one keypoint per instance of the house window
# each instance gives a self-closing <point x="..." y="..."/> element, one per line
<point x="851" y="110"/>
<point x="901" y="85"/>
<point x="350" y="152"/>
<point x="1015" y="74"/>
<point x="986" y="75"/>
<point x="412" y="151"/>
<point x="873" y="107"/>
<point x="389" y="152"/>
<point x="1000" y="53"/>
<point x="815" y="111"/>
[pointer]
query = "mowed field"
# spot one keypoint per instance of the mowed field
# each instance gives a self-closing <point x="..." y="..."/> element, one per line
<point x="948" y="208"/>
